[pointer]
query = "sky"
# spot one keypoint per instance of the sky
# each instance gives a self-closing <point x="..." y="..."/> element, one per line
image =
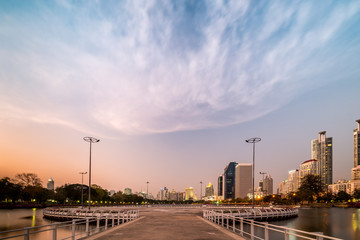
<point x="174" y="88"/>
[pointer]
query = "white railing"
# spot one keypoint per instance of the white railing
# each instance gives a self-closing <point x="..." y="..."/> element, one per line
<point x="246" y="227"/>
<point x="103" y="223"/>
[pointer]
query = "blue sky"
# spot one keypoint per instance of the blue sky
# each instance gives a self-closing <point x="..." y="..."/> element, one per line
<point x="173" y="76"/>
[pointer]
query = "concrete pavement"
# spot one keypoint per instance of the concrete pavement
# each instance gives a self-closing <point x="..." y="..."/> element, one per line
<point x="168" y="223"/>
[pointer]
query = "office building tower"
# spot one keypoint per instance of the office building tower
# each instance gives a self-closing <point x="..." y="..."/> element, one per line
<point x="243" y="179"/>
<point x="293" y="181"/>
<point x="51" y="184"/>
<point x="309" y="167"/>
<point x="321" y="150"/>
<point x="209" y="190"/>
<point x="221" y="186"/>
<point x="356" y="133"/>
<point x="268" y="185"/>
<point x="189" y="193"/>
<point x="355" y="173"/>
<point x="229" y="181"/>
<point x="261" y="185"/>
<point x="127" y="191"/>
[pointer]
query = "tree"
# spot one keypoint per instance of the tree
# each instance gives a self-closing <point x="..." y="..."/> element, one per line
<point x="28" y="179"/>
<point x="356" y="194"/>
<point x="9" y="190"/>
<point x="342" y="196"/>
<point x="310" y="188"/>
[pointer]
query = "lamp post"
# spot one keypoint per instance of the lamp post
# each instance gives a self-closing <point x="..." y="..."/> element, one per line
<point x="201" y="190"/>
<point x="91" y="140"/>
<point x="147" y="190"/>
<point x="82" y="188"/>
<point x="253" y="141"/>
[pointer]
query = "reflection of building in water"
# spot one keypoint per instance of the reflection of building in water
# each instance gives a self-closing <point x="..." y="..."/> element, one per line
<point x="51" y="184"/>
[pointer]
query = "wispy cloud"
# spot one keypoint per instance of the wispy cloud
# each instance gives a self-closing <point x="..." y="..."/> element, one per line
<point x="148" y="66"/>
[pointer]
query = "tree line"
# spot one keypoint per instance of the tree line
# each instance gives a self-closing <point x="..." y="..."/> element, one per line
<point x="27" y="188"/>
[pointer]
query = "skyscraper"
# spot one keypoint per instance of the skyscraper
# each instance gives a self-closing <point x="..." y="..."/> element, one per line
<point x="189" y="193"/>
<point x="51" y="184"/>
<point x="268" y="185"/>
<point x="243" y="179"/>
<point x="321" y="150"/>
<point x="357" y="144"/>
<point x="229" y="181"/>
<point x="209" y="190"/>
<point x="221" y="186"/>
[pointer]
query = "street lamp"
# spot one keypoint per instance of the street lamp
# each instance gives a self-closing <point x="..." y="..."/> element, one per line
<point x="201" y="190"/>
<point x="90" y="140"/>
<point x="253" y="141"/>
<point x="82" y="188"/>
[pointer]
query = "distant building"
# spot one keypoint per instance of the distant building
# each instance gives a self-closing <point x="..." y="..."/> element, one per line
<point x="209" y="190"/>
<point x="221" y="186"/>
<point x="229" y="181"/>
<point x="356" y="133"/>
<point x="340" y="185"/>
<point x="268" y="185"/>
<point x="51" y="184"/>
<point x="111" y="193"/>
<point x="321" y="150"/>
<point x="309" y="167"/>
<point x="173" y="196"/>
<point x="127" y="191"/>
<point x="243" y="180"/>
<point x="189" y="193"/>
<point x="355" y="173"/>
<point x="293" y="181"/>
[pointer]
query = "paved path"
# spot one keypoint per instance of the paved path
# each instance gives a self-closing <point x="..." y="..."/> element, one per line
<point x="168" y="223"/>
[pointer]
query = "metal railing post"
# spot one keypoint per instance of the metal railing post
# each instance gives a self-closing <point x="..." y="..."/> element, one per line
<point x="54" y="232"/>
<point x="118" y="219"/>
<point x="227" y="221"/>
<point x="233" y="224"/>
<point x="27" y="234"/>
<point x="73" y="229"/>
<point x="113" y="221"/>
<point x="222" y="218"/>
<point x="286" y="233"/>
<point x="266" y="231"/>
<point x="98" y="224"/>
<point x="252" y="229"/>
<point x="106" y="222"/>
<point x="241" y="226"/>
<point x="87" y="230"/>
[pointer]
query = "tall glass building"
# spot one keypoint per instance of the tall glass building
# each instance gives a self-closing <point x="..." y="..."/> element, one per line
<point x="229" y="181"/>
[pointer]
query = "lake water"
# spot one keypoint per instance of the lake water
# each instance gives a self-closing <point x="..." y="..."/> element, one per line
<point x="337" y="222"/>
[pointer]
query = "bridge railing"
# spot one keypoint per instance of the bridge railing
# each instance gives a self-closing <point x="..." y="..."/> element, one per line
<point x="102" y="223"/>
<point x="246" y="227"/>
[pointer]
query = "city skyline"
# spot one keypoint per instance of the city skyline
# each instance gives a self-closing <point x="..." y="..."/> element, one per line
<point x="173" y="89"/>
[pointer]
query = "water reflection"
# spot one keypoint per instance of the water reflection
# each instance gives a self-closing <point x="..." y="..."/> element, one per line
<point x="33" y="217"/>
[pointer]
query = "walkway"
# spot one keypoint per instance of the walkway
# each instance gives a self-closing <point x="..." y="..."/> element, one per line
<point x="168" y="223"/>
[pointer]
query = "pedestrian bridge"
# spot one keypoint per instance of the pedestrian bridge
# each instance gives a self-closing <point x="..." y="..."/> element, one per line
<point x="164" y="222"/>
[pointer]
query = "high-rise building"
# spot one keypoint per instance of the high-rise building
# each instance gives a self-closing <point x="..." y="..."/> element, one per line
<point x="189" y="193"/>
<point x="243" y="179"/>
<point x="321" y="150"/>
<point x="229" y="181"/>
<point x="268" y="185"/>
<point x="209" y="190"/>
<point x="293" y="181"/>
<point x="127" y="191"/>
<point x="356" y="133"/>
<point x="51" y="184"/>
<point x="309" y="167"/>
<point x="221" y="186"/>
<point x="355" y="173"/>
